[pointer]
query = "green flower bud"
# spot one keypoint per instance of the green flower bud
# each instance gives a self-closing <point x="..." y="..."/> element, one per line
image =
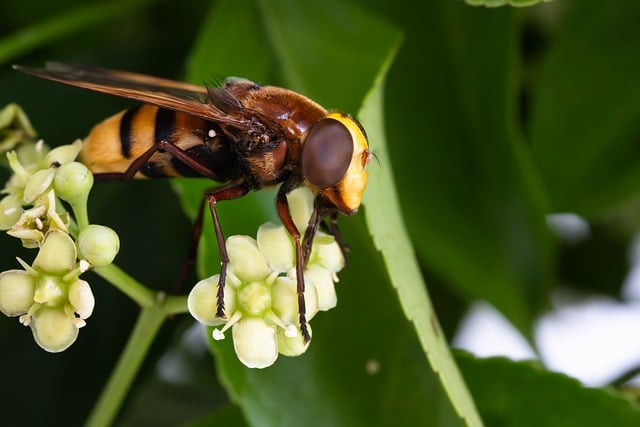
<point x="72" y="182"/>
<point x="98" y="245"/>
<point x="53" y="329"/>
<point x="16" y="292"/>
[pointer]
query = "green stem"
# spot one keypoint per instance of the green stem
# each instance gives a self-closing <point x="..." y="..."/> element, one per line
<point x="175" y="305"/>
<point x="64" y="24"/>
<point x="127" y="284"/>
<point x="81" y="214"/>
<point x="145" y="331"/>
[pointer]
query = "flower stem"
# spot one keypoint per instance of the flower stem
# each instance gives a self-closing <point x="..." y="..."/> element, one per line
<point x="127" y="284"/>
<point x="175" y="305"/>
<point x="110" y="401"/>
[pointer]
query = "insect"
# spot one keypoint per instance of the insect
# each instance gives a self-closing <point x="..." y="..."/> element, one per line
<point x="242" y="135"/>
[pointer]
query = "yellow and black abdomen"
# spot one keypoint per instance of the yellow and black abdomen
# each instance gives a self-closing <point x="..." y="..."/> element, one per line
<point x="115" y="143"/>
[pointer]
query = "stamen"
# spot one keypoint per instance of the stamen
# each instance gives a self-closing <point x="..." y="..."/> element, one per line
<point x="218" y="334"/>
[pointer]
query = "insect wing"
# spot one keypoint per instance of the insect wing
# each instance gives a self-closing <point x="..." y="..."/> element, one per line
<point x="178" y="96"/>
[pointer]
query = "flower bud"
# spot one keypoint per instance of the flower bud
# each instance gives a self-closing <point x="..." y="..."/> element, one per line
<point x="98" y="245"/>
<point x="72" y="182"/>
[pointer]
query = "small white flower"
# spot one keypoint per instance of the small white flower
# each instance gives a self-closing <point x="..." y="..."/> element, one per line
<point x="260" y="296"/>
<point x="48" y="296"/>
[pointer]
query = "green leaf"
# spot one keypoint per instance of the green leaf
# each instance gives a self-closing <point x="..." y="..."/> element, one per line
<point x="523" y="394"/>
<point x="585" y="118"/>
<point x="384" y="219"/>
<point x="469" y="189"/>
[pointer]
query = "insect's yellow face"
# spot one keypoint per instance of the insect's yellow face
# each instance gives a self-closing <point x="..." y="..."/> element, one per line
<point x="335" y="155"/>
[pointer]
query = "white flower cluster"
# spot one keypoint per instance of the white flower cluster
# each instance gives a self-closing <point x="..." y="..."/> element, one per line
<point x="260" y="297"/>
<point x="49" y="295"/>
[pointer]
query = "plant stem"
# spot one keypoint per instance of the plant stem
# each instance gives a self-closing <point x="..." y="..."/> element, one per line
<point x="127" y="284"/>
<point x="64" y="24"/>
<point x="175" y="305"/>
<point x="110" y="401"/>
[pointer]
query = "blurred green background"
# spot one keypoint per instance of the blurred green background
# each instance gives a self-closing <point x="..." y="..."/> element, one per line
<point x="495" y="118"/>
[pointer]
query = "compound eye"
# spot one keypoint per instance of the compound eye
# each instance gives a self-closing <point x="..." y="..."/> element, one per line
<point x="327" y="153"/>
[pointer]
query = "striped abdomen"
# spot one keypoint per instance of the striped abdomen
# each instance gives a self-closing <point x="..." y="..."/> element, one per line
<point x="116" y="142"/>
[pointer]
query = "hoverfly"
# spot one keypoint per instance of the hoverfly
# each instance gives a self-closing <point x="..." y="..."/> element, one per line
<point x="242" y="135"/>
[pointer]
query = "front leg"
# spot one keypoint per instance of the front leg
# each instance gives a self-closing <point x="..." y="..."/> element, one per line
<point x="213" y="197"/>
<point x="287" y="221"/>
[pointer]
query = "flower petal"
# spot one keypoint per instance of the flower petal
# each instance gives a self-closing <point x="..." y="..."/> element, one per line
<point x="292" y="346"/>
<point x="255" y="342"/>
<point x="38" y="184"/>
<point x="63" y="154"/>
<point x="16" y="292"/>
<point x="53" y="330"/>
<point x="81" y="298"/>
<point x="325" y="289"/>
<point x="284" y="298"/>
<point x="277" y="247"/>
<point x="202" y="301"/>
<point x="57" y="254"/>
<point x="301" y="201"/>
<point x="327" y="252"/>
<point x="246" y="260"/>
<point x="10" y="211"/>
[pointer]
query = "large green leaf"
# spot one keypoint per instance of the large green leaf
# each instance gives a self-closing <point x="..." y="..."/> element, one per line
<point x="523" y="394"/>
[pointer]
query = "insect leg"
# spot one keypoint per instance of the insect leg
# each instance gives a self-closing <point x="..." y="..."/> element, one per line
<point x="333" y="229"/>
<point x="213" y="196"/>
<point x="287" y="221"/>
<point x="139" y="162"/>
